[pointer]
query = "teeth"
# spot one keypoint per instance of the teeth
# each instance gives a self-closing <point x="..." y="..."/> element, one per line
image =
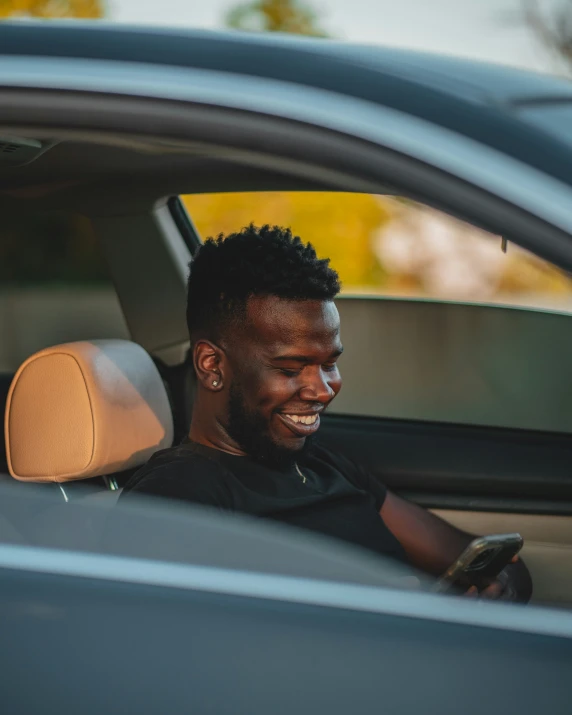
<point x="304" y="419"/>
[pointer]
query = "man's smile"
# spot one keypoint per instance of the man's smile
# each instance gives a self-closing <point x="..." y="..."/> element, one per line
<point x="301" y="425"/>
<point x="305" y="419"/>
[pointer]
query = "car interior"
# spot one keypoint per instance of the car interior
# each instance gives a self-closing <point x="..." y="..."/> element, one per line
<point x="462" y="407"/>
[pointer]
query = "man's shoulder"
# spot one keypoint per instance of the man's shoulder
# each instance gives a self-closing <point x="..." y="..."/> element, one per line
<point x="181" y="473"/>
<point x="180" y="460"/>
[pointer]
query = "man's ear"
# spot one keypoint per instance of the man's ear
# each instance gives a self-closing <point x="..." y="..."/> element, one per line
<point x="209" y="362"/>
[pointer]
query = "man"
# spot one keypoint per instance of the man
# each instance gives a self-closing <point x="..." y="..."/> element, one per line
<point x="265" y="340"/>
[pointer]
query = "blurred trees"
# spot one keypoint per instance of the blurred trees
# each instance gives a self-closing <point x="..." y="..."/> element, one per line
<point x="428" y="253"/>
<point x="81" y="9"/>
<point x="292" y="16"/>
<point x="384" y="245"/>
<point x="552" y="26"/>
<point x="340" y="226"/>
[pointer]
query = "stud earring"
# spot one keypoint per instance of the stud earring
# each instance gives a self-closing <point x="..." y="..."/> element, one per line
<point x="215" y="383"/>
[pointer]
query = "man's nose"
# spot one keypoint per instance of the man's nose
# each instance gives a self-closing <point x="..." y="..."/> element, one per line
<point x="317" y="388"/>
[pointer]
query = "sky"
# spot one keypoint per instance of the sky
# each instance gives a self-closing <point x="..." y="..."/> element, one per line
<point x="482" y="29"/>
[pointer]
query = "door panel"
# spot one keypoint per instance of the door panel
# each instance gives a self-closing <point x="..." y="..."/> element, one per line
<point x="460" y="467"/>
<point x="547" y="550"/>
<point x="537" y="528"/>
<point x="458" y="363"/>
<point x="481" y="480"/>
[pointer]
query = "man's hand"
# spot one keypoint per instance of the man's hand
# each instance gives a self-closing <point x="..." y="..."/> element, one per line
<point x="432" y="545"/>
<point x="506" y="587"/>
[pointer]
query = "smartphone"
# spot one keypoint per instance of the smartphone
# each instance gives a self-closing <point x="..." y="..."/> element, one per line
<point x="481" y="562"/>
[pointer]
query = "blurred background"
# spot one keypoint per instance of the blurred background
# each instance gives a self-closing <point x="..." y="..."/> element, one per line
<point x="380" y="245"/>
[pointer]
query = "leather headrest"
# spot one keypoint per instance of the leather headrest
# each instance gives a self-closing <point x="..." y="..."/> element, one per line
<point x="84" y="409"/>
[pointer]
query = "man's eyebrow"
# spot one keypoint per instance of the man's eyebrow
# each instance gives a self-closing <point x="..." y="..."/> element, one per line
<point x="303" y="358"/>
<point x="291" y="358"/>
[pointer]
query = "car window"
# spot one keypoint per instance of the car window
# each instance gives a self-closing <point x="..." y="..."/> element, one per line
<point x="54" y="286"/>
<point x="387" y="246"/>
<point x="438" y="322"/>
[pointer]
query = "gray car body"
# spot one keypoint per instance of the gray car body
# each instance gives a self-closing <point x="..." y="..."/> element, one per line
<point x="92" y="632"/>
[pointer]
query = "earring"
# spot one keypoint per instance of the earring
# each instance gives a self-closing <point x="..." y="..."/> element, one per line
<point x="215" y="383"/>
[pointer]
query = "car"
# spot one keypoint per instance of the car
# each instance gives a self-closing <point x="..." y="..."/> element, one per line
<point x="464" y="408"/>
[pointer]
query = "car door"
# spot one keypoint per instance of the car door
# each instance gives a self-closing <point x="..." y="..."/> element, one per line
<point x="260" y="622"/>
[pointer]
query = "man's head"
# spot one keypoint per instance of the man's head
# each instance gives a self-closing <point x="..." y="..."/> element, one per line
<point x="265" y="339"/>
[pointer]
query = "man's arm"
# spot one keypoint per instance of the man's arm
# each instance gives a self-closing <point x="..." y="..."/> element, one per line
<point x="432" y="545"/>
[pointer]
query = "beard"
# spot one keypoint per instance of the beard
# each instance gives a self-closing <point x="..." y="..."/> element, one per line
<point x="249" y="429"/>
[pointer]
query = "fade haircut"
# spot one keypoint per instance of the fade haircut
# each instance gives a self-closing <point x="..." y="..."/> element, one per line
<point x="265" y="261"/>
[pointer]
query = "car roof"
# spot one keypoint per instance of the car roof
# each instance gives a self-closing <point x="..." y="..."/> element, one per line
<point x="481" y="101"/>
<point x="485" y="103"/>
<point x="325" y="64"/>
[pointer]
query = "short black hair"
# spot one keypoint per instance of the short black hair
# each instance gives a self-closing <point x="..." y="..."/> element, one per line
<point x="227" y="270"/>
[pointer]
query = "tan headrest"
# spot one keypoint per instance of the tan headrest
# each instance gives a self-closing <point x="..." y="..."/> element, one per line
<point x="84" y="409"/>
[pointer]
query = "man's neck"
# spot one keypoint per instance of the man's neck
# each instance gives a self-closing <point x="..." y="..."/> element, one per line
<point x="215" y="439"/>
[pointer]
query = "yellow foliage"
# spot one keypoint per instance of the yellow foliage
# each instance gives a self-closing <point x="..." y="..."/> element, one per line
<point x="342" y="227"/>
<point x="292" y="16"/>
<point x="81" y="9"/>
<point x="339" y="226"/>
<point x="525" y="273"/>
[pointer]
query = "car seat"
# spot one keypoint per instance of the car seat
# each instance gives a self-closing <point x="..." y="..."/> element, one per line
<point x="81" y="414"/>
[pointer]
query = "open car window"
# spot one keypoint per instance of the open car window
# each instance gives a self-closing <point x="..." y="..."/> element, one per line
<point x="441" y="321"/>
<point x="395" y="247"/>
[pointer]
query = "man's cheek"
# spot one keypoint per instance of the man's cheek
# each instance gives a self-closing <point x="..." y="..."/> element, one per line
<point x="251" y="382"/>
<point x="337" y="386"/>
<point x="257" y="396"/>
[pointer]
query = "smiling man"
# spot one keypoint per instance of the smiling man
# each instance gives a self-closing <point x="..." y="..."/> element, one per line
<point x="265" y="341"/>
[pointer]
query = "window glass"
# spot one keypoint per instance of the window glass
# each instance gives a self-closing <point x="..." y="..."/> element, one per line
<point x="54" y="286"/>
<point x="428" y="316"/>
<point x="394" y="247"/>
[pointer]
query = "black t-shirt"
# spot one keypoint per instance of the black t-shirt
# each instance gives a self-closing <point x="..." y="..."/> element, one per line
<point x="338" y="498"/>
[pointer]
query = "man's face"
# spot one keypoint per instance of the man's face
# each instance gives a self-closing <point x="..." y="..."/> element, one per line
<point x="284" y="374"/>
